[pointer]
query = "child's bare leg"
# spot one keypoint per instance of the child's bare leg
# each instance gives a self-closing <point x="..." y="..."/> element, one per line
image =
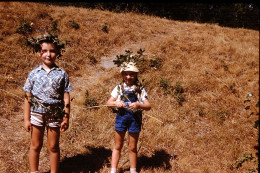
<point x="35" y="147"/>
<point x="133" y="139"/>
<point x="53" y="136"/>
<point x="119" y="141"/>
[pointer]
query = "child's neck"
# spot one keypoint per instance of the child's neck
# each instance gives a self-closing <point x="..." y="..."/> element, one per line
<point x="47" y="68"/>
<point x="129" y="84"/>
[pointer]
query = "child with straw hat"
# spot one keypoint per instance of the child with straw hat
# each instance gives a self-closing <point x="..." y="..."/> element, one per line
<point x="131" y="99"/>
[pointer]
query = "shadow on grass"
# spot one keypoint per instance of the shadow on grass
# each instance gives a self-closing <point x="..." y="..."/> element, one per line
<point x="92" y="161"/>
<point x="160" y="159"/>
<point x="96" y="158"/>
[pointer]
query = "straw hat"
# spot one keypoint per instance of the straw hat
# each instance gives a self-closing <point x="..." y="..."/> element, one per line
<point x="130" y="66"/>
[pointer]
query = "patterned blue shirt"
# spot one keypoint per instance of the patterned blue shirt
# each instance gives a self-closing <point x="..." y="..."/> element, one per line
<point x="47" y="88"/>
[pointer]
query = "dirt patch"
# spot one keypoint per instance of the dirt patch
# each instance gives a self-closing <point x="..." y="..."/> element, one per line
<point x="107" y="62"/>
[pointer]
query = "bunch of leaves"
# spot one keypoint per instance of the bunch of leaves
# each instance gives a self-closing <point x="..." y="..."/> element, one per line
<point x="257" y="113"/>
<point x="24" y="28"/>
<point x="138" y="59"/>
<point x="176" y="91"/>
<point x="105" y="28"/>
<point x="253" y="110"/>
<point x="164" y="84"/>
<point x="57" y="111"/>
<point x="90" y="101"/>
<point x="201" y="112"/>
<point x="55" y="26"/>
<point x="222" y="114"/>
<point x="35" y="43"/>
<point x="92" y="59"/>
<point x="73" y="24"/>
<point x="124" y="98"/>
<point x="156" y="63"/>
<point x="245" y="157"/>
<point x="232" y="88"/>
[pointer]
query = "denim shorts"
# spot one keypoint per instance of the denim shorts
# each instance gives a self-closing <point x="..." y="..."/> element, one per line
<point x="44" y="119"/>
<point x="128" y="121"/>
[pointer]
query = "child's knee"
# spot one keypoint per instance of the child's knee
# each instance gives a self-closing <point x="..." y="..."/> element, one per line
<point x="132" y="148"/>
<point x="36" y="146"/>
<point x="118" y="147"/>
<point x="53" y="148"/>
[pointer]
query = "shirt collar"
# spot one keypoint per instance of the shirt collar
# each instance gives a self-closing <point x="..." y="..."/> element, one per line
<point x="55" y="67"/>
<point x="128" y="87"/>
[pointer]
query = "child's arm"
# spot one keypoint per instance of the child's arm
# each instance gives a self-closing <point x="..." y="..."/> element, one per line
<point x="118" y="104"/>
<point x="65" y="123"/>
<point x="27" y="107"/>
<point x="143" y="106"/>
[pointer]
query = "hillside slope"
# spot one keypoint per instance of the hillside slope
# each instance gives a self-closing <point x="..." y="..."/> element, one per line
<point x="202" y="81"/>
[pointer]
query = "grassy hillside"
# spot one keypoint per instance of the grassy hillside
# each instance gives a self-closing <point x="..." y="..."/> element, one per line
<point x="202" y="81"/>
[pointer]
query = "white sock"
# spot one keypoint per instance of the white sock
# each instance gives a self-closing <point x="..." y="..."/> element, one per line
<point x="113" y="170"/>
<point x="132" y="170"/>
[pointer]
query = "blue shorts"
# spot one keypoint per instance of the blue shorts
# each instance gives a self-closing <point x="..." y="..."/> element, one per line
<point x="128" y="121"/>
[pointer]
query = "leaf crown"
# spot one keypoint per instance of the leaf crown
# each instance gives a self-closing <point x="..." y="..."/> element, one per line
<point x="35" y="43"/>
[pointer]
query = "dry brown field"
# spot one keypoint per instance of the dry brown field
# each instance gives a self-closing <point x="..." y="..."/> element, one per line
<point x="202" y="80"/>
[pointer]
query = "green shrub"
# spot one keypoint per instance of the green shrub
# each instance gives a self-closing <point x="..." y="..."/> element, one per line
<point x="24" y="28"/>
<point x="105" y="28"/>
<point x="73" y="24"/>
<point x="90" y="101"/>
<point x="164" y="84"/>
<point x="176" y="91"/>
<point x="156" y="63"/>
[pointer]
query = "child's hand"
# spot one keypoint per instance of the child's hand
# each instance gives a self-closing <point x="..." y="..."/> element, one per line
<point x="27" y="126"/>
<point x="134" y="106"/>
<point x="120" y="104"/>
<point x="64" y="125"/>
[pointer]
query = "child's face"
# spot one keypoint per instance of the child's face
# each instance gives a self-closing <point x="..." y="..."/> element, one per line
<point x="48" y="54"/>
<point x="129" y="77"/>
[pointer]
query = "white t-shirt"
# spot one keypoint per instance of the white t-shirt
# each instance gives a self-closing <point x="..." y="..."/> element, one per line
<point x="117" y="92"/>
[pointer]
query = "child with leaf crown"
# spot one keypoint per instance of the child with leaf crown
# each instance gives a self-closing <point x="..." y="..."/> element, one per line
<point x="131" y="99"/>
<point x="47" y="101"/>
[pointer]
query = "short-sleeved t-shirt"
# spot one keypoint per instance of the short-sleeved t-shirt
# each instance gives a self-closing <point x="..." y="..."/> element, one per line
<point x="47" y="88"/>
<point x="117" y="92"/>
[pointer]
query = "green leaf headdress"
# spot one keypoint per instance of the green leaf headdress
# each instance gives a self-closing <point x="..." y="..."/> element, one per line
<point x="128" y="61"/>
<point x="49" y="38"/>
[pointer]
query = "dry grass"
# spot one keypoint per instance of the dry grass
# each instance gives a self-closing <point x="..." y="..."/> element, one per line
<point x="216" y="67"/>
